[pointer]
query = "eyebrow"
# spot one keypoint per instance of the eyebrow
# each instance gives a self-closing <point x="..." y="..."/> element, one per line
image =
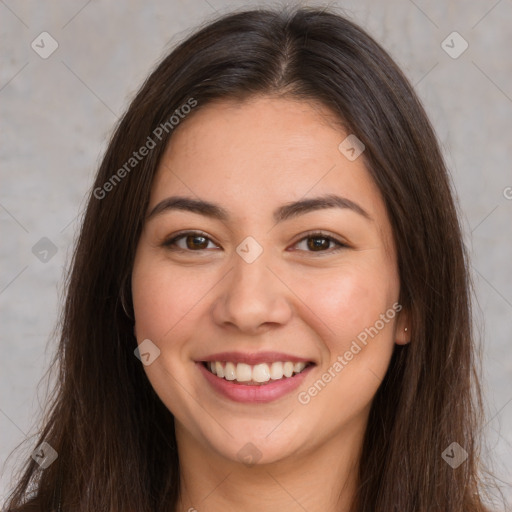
<point x="281" y="214"/>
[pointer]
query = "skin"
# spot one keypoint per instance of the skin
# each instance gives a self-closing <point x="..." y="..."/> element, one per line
<point x="251" y="157"/>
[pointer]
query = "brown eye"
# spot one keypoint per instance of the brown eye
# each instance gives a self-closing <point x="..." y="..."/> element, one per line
<point x="193" y="242"/>
<point x="196" y="242"/>
<point x="318" y="242"/>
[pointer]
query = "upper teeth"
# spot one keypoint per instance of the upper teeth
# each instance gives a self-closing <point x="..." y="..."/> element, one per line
<point x="262" y="372"/>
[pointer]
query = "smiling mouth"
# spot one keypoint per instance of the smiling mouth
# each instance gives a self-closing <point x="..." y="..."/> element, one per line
<point x="255" y="375"/>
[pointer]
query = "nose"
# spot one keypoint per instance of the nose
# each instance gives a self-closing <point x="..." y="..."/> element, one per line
<point x="252" y="298"/>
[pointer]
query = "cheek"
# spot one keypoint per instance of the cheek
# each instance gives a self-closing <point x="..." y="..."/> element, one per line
<point x="163" y="298"/>
<point x="164" y="303"/>
<point x="348" y="302"/>
<point x="349" y="310"/>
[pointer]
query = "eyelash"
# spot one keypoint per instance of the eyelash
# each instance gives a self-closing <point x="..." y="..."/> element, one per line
<point x="312" y="234"/>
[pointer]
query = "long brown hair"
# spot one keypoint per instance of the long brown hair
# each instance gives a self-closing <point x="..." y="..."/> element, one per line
<point x="114" y="437"/>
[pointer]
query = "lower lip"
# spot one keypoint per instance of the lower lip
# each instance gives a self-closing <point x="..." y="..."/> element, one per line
<point x="254" y="394"/>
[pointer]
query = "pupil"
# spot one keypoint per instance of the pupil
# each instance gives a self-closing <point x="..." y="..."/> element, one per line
<point x="315" y="245"/>
<point x="193" y="239"/>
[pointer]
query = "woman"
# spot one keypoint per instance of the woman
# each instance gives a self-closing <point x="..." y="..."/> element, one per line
<point x="269" y="302"/>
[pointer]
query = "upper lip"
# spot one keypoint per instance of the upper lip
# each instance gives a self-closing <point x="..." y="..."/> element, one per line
<point x="254" y="358"/>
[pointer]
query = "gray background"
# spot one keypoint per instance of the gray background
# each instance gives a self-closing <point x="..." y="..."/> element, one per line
<point x="58" y="112"/>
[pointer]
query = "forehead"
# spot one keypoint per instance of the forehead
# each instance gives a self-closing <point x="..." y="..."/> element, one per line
<point x="260" y="153"/>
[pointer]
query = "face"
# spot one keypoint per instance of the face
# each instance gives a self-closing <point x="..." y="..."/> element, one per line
<point x="275" y="321"/>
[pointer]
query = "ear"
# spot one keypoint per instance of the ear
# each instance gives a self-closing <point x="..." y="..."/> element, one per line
<point x="403" y="328"/>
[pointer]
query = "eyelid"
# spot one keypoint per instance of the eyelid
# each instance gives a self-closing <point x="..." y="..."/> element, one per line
<point x="309" y="234"/>
<point x="320" y="233"/>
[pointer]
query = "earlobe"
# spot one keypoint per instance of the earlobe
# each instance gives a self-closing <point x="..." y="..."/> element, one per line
<point x="404" y="338"/>
<point x="403" y="330"/>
